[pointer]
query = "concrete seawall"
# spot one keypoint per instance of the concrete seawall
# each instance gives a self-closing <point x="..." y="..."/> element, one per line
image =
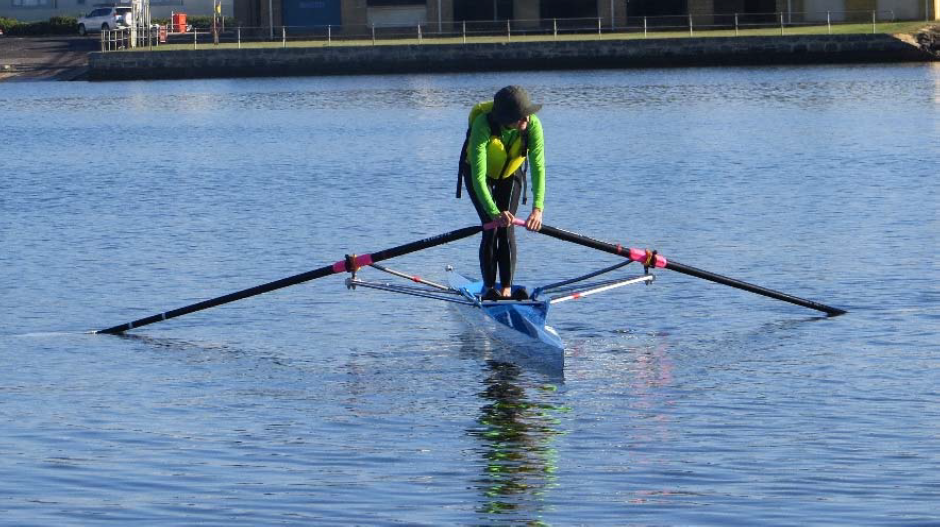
<point x="550" y="55"/>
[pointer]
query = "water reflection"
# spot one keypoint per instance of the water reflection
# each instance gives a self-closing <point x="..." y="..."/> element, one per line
<point x="476" y="345"/>
<point x="516" y="432"/>
<point x="935" y="70"/>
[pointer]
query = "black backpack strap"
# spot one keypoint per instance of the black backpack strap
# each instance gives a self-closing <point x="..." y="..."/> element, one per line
<point x="463" y="168"/>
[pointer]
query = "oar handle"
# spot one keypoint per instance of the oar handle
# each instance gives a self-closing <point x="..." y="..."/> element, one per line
<point x="643" y="256"/>
<point x="495" y="224"/>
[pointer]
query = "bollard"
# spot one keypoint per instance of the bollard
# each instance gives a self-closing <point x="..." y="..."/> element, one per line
<point x="238" y="34"/>
<point x="464" y="31"/>
<point x="373" y="34"/>
<point x="691" y="34"/>
<point x="829" y="22"/>
<point x="736" y="25"/>
<point x="781" y="23"/>
<point x="329" y="35"/>
<point x="555" y="28"/>
<point x="644" y="27"/>
<point x="508" y="30"/>
<point x="283" y="36"/>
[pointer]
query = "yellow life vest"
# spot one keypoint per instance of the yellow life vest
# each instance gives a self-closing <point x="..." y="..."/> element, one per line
<point x="501" y="162"/>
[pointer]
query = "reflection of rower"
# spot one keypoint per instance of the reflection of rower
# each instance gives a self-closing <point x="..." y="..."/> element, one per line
<point x="516" y="435"/>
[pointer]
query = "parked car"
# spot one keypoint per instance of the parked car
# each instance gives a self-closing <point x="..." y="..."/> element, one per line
<point x="105" y="19"/>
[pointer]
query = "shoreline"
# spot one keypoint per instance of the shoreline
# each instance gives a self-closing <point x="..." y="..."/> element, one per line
<point x="76" y="58"/>
<point x="541" y="55"/>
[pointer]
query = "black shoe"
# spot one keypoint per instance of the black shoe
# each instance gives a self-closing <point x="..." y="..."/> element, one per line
<point x="520" y="294"/>
<point x="491" y="295"/>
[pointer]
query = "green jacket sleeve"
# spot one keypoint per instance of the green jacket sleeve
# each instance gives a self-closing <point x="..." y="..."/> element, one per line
<point x="479" y="137"/>
<point x="537" y="162"/>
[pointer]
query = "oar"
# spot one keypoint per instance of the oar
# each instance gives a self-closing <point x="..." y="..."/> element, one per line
<point x="651" y="259"/>
<point x="351" y="263"/>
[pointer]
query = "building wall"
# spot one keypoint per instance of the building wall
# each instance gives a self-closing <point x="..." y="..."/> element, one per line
<point x="247" y="13"/>
<point x="269" y="14"/>
<point x="822" y="10"/>
<point x="857" y="10"/>
<point x="702" y="11"/>
<point x="412" y="15"/>
<point x="357" y="15"/>
<point x="440" y="12"/>
<point x="619" y="8"/>
<point x="526" y="11"/>
<point x="903" y="9"/>
<point x="39" y="10"/>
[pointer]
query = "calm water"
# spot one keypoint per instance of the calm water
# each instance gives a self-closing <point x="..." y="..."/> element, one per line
<point x="681" y="403"/>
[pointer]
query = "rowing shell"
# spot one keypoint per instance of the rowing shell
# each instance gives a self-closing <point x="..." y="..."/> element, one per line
<point x="518" y="325"/>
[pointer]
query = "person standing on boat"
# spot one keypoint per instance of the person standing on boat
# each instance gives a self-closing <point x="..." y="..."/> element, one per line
<point x="504" y="136"/>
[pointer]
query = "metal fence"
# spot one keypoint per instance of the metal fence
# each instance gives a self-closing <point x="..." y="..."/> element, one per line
<point x="502" y="30"/>
<point x="126" y="38"/>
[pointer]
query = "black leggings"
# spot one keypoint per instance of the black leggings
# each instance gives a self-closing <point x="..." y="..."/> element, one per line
<point x="498" y="246"/>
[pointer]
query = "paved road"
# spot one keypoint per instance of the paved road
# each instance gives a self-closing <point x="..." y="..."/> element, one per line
<point x="45" y="58"/>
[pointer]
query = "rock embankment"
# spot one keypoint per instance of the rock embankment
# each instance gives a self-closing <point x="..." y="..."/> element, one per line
<point x="929" y="40"/>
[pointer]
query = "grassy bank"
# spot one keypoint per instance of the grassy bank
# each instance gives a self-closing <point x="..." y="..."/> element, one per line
<point x="908" y="28"/>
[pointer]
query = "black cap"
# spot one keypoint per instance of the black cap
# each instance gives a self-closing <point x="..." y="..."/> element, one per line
<point x="511" y="104"/>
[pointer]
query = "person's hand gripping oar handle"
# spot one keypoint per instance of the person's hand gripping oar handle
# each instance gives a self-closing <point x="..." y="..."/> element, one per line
<point x="651" y="259"/>
<point x="349" y="264"/>
<point x="495" y="224"/>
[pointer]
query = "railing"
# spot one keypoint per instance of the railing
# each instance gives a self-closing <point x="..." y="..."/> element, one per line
<point x="502" y="30"/>
<point x="115" y="39"/>
<point x="139" y="37"/>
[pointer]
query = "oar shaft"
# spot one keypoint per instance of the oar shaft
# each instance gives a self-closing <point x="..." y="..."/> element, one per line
<point x="337" y="267"/>
<point x="659" y="261"/>
<point x="225" y="299"/>
<point x="738" y="284"/>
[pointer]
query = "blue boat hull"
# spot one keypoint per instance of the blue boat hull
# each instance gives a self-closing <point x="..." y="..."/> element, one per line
<point x="517" y="325"/>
